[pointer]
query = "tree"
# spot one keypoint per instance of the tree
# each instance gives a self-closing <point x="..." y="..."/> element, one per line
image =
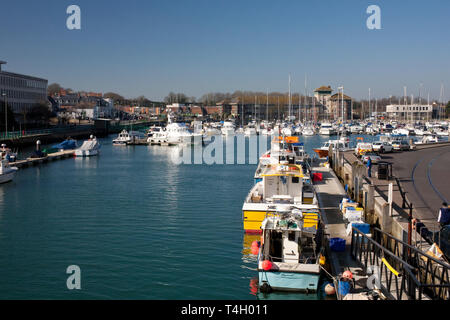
<point x="54" y="88"/>
<point x="114" y="96"/>
<point x="447" y="109"/>
<point x="40" y="113"/>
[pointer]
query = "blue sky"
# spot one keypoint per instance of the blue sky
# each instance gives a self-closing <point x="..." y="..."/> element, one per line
<point x="150" y="48"/>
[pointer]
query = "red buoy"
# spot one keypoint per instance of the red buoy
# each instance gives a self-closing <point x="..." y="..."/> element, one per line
<point x="255" y="250"/>
<point x="348" y="275"/>
<point x="255" y="244"/>
<point x="267" y="265"/>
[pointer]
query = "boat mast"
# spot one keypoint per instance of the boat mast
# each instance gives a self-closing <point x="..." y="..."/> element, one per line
<point x="289" y="98"/>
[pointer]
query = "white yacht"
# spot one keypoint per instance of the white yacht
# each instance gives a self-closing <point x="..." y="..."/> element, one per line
<point x="89" y="148"/>
<point x="178" y="133"/>
<point x="308" y="131"/>
<point x="7" y="173"/>
<point x="228" y="128"/>
<point x="287" y="131"/>
<point x="158" y="137"/>
<point x="250" y="131"/>
<point x="326" y="129"/>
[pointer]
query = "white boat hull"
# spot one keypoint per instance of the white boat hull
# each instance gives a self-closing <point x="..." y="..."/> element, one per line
<point x="86" y="153"/>
<point x="7" y="177"/>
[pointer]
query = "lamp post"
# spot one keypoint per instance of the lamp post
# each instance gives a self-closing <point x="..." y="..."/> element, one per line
<point x="6" y="114"/>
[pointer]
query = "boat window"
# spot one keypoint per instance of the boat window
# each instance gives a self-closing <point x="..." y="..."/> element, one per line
<point x="291" y="236"/>
<point x="295" y="179"/>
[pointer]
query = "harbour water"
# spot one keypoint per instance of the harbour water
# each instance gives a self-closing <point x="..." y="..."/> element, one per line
<point x="137" y="225"/>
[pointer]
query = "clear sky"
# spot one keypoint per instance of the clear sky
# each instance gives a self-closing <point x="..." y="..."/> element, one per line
<point x="142" y="47"/>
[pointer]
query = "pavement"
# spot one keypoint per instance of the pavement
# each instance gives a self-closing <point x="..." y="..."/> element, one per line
<point x="425" y="177"/>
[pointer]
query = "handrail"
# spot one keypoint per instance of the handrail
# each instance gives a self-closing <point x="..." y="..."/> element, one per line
<point x="443" y="263"/>
<point x="434" y="273"/>
<point x="365" y="249"/>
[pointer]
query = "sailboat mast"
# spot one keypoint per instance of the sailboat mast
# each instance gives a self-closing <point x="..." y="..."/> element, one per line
<point x="289" y="97"/>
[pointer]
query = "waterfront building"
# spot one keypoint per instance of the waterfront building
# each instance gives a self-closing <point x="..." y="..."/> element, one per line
<point x="22" y="92"/>
<point x="323" y="95"/>
<point x="413" y="111"/>
<point x="336" y="104"/>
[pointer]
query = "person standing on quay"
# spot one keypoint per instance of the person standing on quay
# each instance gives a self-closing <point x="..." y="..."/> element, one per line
<point x="369" y="168"/>
<point x="444" y="215"/>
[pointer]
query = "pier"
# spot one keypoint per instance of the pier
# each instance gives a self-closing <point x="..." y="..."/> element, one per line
<point x="66" y="154"/>
<point x="407" y="269"/>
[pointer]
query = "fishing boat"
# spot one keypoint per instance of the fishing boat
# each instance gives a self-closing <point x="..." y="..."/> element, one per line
<point x="342" y="144"/>
<point x="89" y="148"/>
<point x="292" y="251"/>
<point x="282" y="149"/>
<point x="7" y="173"/>
<point x="282" y="184"/>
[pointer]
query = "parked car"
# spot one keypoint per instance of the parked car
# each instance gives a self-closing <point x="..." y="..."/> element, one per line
<point x="373" y="157"/>
<point x="382" y="147"/>
<point x="401" y="145"/>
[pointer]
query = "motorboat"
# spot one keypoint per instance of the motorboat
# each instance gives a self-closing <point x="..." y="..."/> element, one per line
<point x="291" y="251"/>
<point x="89" y="148"/>
<point x="7" y="173"/>
<point x="178" y="133"/>
<point x="7" y="153"/>
<point x="308" y="131"/>
<point x="250" y="131"/>
<point x="125" y="137"/>
<point x="152" y="130"/>
<point x="284" y="185"/>
<point x="326" y="129"/>
<point x="159" y="138"/>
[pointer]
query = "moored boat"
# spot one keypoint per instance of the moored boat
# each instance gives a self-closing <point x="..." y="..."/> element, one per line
<point x="89" y="148"/>
<point x="282" y="184"/>
<point x="291" y="251"/>
<point x="7" y="173"/>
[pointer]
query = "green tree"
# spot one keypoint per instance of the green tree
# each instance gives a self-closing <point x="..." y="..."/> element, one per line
<point x="40" y="113"/>
<point x="53" y="88"/>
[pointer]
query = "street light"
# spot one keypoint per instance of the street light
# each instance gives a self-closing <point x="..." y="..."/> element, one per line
<point x="6" y="114"/>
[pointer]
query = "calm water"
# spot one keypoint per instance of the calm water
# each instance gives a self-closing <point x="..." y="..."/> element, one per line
<point x="138" y="226"/>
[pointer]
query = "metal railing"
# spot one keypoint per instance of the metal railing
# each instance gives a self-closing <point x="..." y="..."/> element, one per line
<point x="431" y="272"/>
<point x="369" y="253"/>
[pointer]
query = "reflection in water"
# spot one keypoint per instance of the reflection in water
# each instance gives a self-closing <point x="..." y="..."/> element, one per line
<point x="86" y="162"/>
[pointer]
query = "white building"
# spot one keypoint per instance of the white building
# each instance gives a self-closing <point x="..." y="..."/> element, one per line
<point x="410" y="112"/>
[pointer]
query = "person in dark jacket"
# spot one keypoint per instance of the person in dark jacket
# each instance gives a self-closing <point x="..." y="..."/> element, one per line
<point x="444" y="215"/>
<point x="369" y="168"/>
